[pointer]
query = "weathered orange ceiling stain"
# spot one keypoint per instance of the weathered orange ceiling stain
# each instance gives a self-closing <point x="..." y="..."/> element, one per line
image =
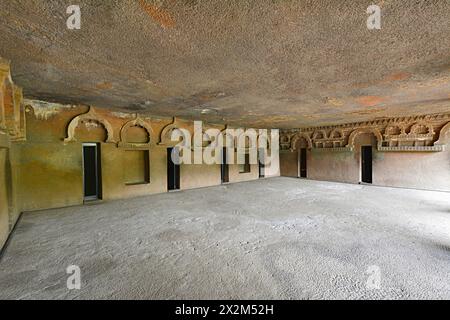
<point x="398" y="76"/>
<point x="244" y="60"/>
<point x="161" y="16"/>
<point x="370" y="101"/>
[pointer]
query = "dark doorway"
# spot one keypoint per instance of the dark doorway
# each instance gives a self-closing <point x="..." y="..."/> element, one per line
<point x="303" y="166"/>
<point x="173" y="172"/>
<point x="366" y="164"/>
<point x="224" y="170"/>
<point x="261" y="162"/>
<point x="91" y="171"/>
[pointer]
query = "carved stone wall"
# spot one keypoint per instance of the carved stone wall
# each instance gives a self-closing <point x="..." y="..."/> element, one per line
<point x="420" y="133"/>
<point x="12" y="129"/>
<point x="126" y="142"/>
<point x="91" y="117"/>
<point x="166" y="133"/>
<point x="12" y="110"/>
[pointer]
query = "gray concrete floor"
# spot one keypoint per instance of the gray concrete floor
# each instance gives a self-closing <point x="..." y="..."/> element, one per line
<point x="274" y="238"/>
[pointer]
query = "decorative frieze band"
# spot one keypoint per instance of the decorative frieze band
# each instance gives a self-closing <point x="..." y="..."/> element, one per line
<point x="436" y="148"/>
<point x="417" y="134"/>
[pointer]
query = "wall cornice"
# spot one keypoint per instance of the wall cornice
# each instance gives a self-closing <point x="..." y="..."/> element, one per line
<point x="414" y="133"/>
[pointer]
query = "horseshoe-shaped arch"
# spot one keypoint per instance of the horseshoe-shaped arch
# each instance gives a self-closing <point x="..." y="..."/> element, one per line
<point x="355" y="133"/>
<point x="299" y="136"/>
<point x="91" y="115"/>
<point x="138" y="122"/>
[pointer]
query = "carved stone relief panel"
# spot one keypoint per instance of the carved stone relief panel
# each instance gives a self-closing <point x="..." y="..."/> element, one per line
<point x="89" y="119"/>
<point x="397" y="134"/>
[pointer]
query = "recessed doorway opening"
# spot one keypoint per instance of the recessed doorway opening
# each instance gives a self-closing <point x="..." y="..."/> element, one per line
<point x="303" y="172"/>
<point x="92" y="185"/>
<point x="366" y="164"/>
<point x="173" y="172"/>
<point x="224" y="167"/>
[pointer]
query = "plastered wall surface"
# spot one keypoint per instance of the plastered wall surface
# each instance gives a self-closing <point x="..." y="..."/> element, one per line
<point x="338" y="166"/>
<point x="416" y="170"/>
<point x="51" y="173"/>
<point x="289" y="163"/>
<point x="199" y="175"/>
<point x="4" y="215"/>
<point x="9" y="175"/>
<point x="114" y="165"/>
<point x="419" y="170"/>
<point x="41" y="154"/>
<point x="12" y="130"/>
<point x="45" y="172"/>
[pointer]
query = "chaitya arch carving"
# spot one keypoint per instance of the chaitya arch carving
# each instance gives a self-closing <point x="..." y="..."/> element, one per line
<point x="284" y="138"/>
<point x="442" y="135"/>
<point x="394" y="130"/>
<point x="405" y="134"/>
<point x="421" y="128"/>
<point x="166" y="134"/>
<point x="90" y="116"/>
<point x="319" y="135"/>
<point x="138" y="122"/>
<point x="285" y="141"/>
<point x="298" y="137"/>
<point x="355" y="133"/>
<point x="337" y="133"/>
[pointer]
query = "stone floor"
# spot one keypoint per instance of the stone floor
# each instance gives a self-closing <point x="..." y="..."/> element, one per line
<point x="279" y="238"/>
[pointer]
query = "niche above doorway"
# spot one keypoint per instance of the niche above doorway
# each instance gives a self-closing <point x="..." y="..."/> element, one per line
<point x="90" y="127"/>
<point x="136" y="134"/>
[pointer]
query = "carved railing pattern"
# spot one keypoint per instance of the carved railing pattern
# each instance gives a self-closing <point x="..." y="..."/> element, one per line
<point x="414" y="134"/>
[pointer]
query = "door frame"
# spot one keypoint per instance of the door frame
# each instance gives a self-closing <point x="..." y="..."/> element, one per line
<point x="177" y="177"/>
<point x="299" y="173"/>
<point x="362" y="164"/>
<point x="97" y="196"/>
<point x="224" y="167"/>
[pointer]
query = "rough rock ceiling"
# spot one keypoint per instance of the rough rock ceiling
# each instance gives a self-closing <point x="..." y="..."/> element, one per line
<point x="262" y="63"/>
